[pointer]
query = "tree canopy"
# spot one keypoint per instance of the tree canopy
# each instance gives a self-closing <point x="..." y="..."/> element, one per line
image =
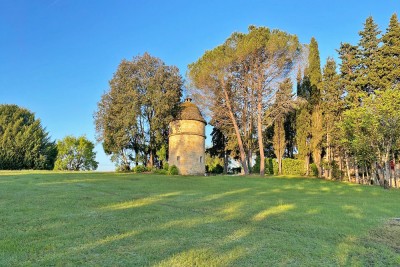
<point x="133" y="115"/>
<point x="75" y="154"/>
<point x="237" y="82"/>
<point x="24" y="143"/>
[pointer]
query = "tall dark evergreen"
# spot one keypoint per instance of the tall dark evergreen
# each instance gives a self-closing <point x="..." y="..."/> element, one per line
<point x="303" y="121"/>
<point x="313" y="73"/>
<point x="348" y="74"/>
<point x="219" y="147"/>
<point x="368" y="48"/>
<point x="283" y="105"/>
<point x="389" y="71"/>
<point x="24" y="143"/>
<point x="290" y="134"/>
<point x="332" y="106"/>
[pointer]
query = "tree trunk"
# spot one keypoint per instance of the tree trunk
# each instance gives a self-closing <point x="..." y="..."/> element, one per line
<point x="249" y="160"/>
<point x="151" y="159"/>
<point x="225" y="162"/>
<point x="307" y="164"/>
<point x="317" y="160"/>
<point x="347" y="166"/>
<point x="341" y="166"/>
<point x="328" y="173"/>
<point x="260" y="139"/>
<point x="395" y="171"/>
<point x="386" y="182"/>
<point x="237" y="133"/>
<point x="356" y="172"/>
<point x="363" y="174"/>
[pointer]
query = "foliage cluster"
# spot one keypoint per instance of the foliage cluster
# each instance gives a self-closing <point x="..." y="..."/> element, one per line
<point x="236" y="82"/>
<point x="289" y="166"/>
<point x="214" y="164"/>
<point x="343" y="123"/>
<point x="166" y="170"/>
<point x="24" y="143"/>
<point x="75" y="154"/>
<point x="132" y="117"/>
<point x="173" y="170"/>
<point x="369" y="129"/>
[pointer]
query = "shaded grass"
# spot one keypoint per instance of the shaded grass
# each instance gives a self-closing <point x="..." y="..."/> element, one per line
<point x="114" y="219"/>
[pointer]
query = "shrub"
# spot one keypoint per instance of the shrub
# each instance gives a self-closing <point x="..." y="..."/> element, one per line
<point x="166" y="166"/>
<point x="337" y="174"/>
<point x="218" y="169"/>
<point x="173" y="170"/>
<point x="139" y="169"/>
<point x="160" y="171"/>
<point x="293" y="166"/>
<point x="314" y="169"/>
<point x="123" y="168"/>
<point x="289" y="166"/>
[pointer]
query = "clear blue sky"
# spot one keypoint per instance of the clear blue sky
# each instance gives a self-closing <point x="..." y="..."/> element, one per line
<point x="57" y="56"/>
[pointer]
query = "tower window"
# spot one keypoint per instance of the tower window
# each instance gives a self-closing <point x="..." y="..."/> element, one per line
<point x="178" y="158"/>
<point x="201" y="159"/>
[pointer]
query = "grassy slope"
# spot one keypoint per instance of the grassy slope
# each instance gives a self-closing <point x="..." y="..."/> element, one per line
<point x="125" y="219"/>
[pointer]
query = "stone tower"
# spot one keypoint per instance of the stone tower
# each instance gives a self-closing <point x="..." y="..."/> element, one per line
<point x="187" y="140"/>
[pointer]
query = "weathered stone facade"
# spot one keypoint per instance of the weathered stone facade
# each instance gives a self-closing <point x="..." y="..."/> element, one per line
<point x="187" y="140"/>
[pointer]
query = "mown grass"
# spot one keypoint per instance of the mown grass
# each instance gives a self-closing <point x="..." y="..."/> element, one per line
<point x="114" y="219"/>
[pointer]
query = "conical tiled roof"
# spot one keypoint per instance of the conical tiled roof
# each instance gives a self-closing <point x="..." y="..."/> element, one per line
<point x="190" y="111"/>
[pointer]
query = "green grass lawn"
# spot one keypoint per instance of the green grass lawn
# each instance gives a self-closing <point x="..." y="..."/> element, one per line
<point x="113" y="219"/>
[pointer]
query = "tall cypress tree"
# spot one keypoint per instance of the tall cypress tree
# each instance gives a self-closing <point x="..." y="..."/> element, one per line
<point x="331" y="106"/>
<point x="315" y="77"/>
<point x="389" y="71"/>
<point x="303" y="122"/>
<point x="290" y="134"/>
<point x="368" y="46"/>
<point x="282" y="106"/>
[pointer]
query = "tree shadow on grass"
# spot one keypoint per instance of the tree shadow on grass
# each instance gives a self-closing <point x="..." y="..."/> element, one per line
<point x="197" y="222"/>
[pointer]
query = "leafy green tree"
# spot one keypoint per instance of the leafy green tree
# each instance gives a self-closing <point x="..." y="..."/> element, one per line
<point x="219" y="91"/>
<point x="133" y="116"/>
<point x="371" y="131"/>
<point x="237" y="82"/>
<point x="75" y="154"/>
<point x="24" y="143"/>
<point x="270" y="56"/>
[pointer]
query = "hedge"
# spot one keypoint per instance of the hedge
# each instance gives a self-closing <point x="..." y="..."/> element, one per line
<point x="289" y="166"/>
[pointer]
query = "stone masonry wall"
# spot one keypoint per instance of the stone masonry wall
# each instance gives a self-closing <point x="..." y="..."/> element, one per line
<point x="187" y="146"/>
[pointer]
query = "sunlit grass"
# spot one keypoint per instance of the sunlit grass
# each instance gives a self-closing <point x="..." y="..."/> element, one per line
<point x="111" y="219"/>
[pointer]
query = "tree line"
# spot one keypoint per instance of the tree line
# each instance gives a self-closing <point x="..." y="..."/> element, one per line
<point x="343" y="119"/>
<point x="25" y="144"/>
<point x="267" y="95"/>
